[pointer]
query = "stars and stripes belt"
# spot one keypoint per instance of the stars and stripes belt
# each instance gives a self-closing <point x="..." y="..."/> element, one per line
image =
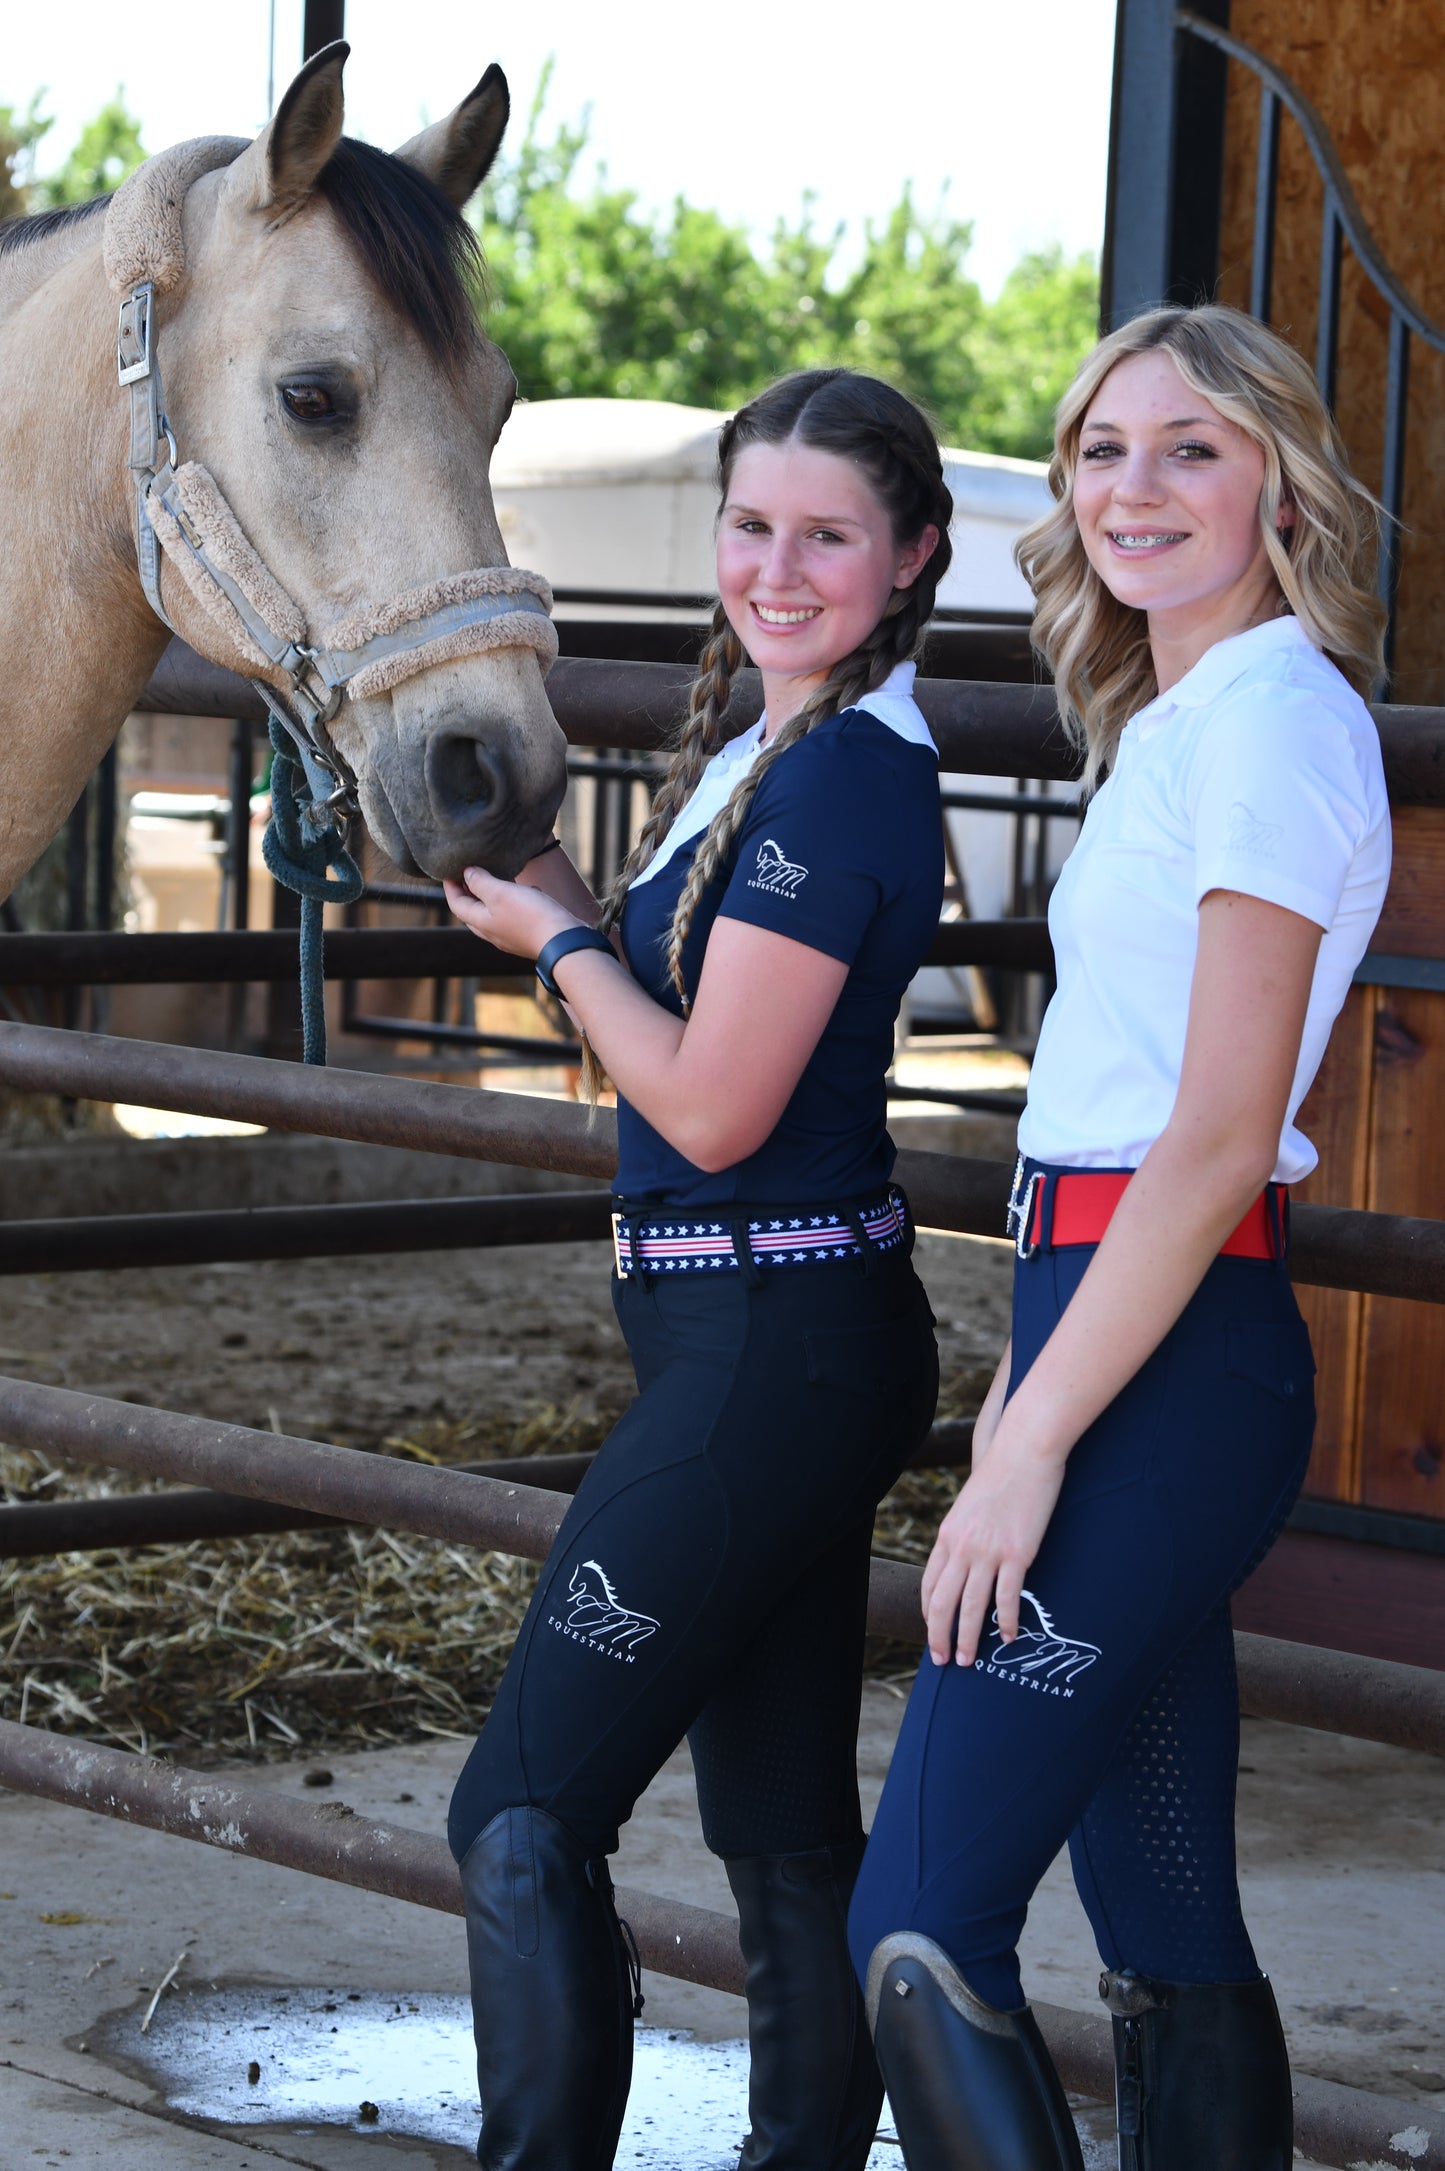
<point x="653" y="1241"/>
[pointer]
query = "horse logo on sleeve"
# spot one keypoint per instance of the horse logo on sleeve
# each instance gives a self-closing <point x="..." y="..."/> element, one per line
<point x="776" y="872"/>
<point x="596" y="1615"/>
<point x="1041" y="1656"/>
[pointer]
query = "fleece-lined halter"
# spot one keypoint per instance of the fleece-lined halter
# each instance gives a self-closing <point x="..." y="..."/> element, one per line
<point x="181" y="511"/>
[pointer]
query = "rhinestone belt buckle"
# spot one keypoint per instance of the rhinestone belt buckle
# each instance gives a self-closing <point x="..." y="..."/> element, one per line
<point x="1020" y="1210"/>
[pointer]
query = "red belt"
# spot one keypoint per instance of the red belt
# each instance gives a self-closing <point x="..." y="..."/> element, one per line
<point x="1054" y="1209"/>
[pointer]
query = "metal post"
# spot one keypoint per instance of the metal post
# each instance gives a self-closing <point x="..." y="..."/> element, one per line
<point x="323" y="22"/>
<point x="1327" y="333"/>
<point x="1134" y="272"/>
<point x="77" y="872"/>
<point x="1392" y="484"/>
<point x="1266" y="182"/>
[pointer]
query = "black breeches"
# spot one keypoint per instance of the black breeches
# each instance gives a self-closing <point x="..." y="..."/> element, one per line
<point x="711" y="1576"/>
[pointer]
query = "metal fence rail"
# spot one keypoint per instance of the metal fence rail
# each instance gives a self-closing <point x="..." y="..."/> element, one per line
<point x="981" y="728"/>
<point x="117" y="1521"/>
<point x="92" y="959"/>
<point x="694" y="1944"/>
<point x="1334" y="1247"/>
<point x="1371" y="1699"/>
<point x="87" y="1243"/>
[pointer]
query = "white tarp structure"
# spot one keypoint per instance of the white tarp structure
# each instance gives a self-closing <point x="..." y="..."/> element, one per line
<point x="620" y="494"/>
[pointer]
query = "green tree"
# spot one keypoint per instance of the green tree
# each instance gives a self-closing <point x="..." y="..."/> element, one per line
<point x="1032" y="339"/>
<point x="108" y="149"/>
<point x="19" y="135"/>
<point x="593" y="296"/>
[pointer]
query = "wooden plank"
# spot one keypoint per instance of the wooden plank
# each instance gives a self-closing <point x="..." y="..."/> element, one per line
<point x="1335" y="1116"/>
<point x="1413" y="921"/>
<point x="1347" y="1595"/>
<point x="1402" y="1397"/>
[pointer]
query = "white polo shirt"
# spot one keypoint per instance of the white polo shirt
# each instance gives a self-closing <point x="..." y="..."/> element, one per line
<point x="1259" y="772"/>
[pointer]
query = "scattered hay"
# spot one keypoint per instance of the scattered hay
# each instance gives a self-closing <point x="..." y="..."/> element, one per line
<point x="303" y="1640"/>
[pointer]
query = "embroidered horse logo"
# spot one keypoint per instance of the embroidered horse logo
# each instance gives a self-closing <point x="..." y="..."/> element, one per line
<point x="594" y="1609"/>
<point x="1247" y="833"/>
<point x="775" y="871"/>
<point x="1041" y="1650"/>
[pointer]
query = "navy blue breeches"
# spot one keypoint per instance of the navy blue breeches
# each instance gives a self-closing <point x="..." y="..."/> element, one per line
<point x="1113" y="1720"/>
<point x="711" y="1576"/>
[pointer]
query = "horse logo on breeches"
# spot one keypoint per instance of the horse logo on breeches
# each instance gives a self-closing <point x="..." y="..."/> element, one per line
<point x="1040" y="1650"/>
<point x="595" y="1611"/>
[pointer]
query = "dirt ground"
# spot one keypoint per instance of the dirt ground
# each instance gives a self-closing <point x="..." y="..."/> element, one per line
<point x="363" y="1350"/>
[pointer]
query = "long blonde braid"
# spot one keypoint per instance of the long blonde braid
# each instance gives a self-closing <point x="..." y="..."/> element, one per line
<point x="867" y="421"/>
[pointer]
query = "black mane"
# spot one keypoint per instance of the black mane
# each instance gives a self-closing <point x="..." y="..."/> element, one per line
<point x="19" y="233"/>
<point x="415" y="243"/>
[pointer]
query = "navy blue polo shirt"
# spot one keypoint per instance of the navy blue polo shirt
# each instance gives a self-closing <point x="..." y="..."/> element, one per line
<point x="841" y="849"/>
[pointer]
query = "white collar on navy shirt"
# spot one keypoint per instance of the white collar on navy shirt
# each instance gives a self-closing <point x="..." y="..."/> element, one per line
<point x="1220" y="667"/>
<point x="892" y="703"/>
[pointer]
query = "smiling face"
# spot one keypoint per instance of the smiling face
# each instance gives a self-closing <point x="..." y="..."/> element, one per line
<point x="1166" y="496"/>
<point x="806" y="564"/>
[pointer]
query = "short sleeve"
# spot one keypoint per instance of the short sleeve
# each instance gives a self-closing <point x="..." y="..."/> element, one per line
<point x="1278" y="802"/>
<point x="812" y="856"/>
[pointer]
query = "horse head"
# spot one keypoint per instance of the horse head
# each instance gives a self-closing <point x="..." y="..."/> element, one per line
<point x="335" y="404"/>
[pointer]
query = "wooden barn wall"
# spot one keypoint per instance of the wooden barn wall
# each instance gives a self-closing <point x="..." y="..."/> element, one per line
<point x="1375" y="70"/>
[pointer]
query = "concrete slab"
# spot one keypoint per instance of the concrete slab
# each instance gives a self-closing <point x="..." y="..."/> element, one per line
<point x="1343" y="1862"/>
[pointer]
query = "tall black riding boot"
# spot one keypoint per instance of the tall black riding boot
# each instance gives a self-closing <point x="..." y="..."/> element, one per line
<point x="553" y="1997"/>
<point x="1201" y="2075"/>
<point x="972" y="2088"/>
<point x="815" y="2091"/>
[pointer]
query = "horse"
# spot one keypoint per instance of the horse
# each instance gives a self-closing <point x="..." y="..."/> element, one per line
<point x="307" y="502"/>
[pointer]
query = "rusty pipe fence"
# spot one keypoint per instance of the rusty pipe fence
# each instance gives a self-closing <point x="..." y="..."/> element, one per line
<point x="234" y="1474"/>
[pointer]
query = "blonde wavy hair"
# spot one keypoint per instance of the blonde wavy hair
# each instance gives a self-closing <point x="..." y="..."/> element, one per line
<point x="1097" y="647"/>
<point x="878" y="430"/>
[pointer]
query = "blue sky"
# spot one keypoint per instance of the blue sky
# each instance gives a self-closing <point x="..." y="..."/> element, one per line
<point x="1005" y="105"/>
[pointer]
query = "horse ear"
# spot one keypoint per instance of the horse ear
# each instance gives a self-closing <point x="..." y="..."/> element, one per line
<point x="279" y="169"/>
<point x="457" y="153"/>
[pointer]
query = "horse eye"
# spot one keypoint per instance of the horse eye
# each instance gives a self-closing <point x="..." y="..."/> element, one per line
<point x="308" y="402"/>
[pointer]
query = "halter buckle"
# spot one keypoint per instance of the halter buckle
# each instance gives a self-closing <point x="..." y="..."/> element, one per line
<point x="133" y="347"/>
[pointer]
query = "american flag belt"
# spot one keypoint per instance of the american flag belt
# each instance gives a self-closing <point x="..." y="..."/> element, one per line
<point x="653" y="1241"/>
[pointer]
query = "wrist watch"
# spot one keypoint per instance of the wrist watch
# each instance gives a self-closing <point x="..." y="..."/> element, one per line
<point x="560" y="946"/>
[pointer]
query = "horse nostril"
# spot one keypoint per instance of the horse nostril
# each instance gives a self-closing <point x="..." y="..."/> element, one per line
<point x="463" y="779"/>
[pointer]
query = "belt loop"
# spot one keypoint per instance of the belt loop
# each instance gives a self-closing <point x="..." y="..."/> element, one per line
<point x="624" y="1228"/>
<point x="853" y="1215"/>
<point x="1048" y="1197"/>
<point x="743" y="1253"/>
<point x="1276" y="1200"/>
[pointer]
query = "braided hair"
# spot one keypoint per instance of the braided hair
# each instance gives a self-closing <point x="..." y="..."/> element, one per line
<point x="880" y="431"/>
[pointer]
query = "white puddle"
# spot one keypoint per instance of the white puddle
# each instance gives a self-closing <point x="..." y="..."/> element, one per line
<point x="379" y="2064"/>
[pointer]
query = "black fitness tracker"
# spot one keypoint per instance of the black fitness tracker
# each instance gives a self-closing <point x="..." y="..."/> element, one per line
<point x="560" y="946"/>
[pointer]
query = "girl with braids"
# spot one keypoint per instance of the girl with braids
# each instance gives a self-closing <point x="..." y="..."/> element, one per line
<point x="1205" y="595"/>
<point x="740" y="986"/>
